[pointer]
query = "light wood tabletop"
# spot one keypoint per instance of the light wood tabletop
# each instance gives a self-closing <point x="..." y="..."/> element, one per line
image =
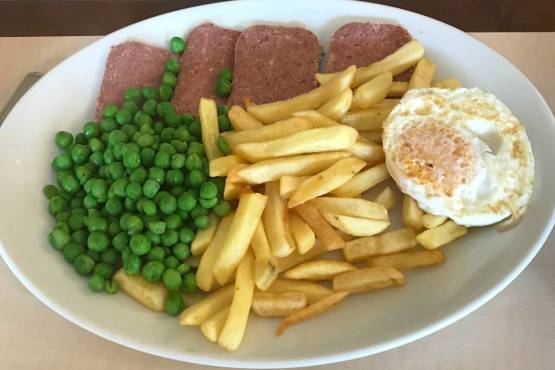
<point x="515" y="331"/>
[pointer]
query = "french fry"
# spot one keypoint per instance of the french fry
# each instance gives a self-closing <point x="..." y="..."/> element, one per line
<point x="423" y="74"/>
<point x="233" y="187"/>
<point x="204" y="237"/>
<point x="302" y="233"/>
<point x="329" y="239"/>
<point x="208" y="115"/>
<point x="277" y="304"/>
<point x="372" y="92"/>
<point x="212" y="327"/>
<point x="269" y="132"/>
<point x="312" y="291"/>
<point x="337" y="106"/>
<point x="310" y="311"/>
<point x="367" y="279"/>
<point x="318" y="270"/>
<point x="412" y="214"/>
<point x="311" y="100"/>
<point x="363" y="181"/>
<point x="236" y="243"/>
<point x="295" y="258"/>
<point x="151" y="295"/>
<point x="288" y="184"/>
<point x="221" y="166"/>
<point x="300" y="165"/>
<point x="274" y="217"/>
<point x="374" y="136"/>
<point x="208" y="307"/>
<point x="386" y="198"/>
<point x="317" y="118"/>
<point x="236" y="322"/>
<point x="440" y="235"/>
<point x="367" y="119"/>
<point x="430" y="221"/>
<point x="371" y="153"/>
<point x="397" y="62"/>
<point x="390" y="242"/>
<point x="450" y="83"/>
<point x="264" y="270"/>
<point x="408" y="260"/>
<point x="355" y="225"/>
<point x="315" y="140"/>
<point x="205" y="275"/>
<point x="326" y="181"/>
<point x="398" y="89"/>
<point x="241" y="120"/>
<point x="351" y="207"/>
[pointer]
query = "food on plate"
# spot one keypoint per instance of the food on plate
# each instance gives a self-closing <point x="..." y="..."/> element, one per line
<point x="408" y="260"/>
<point x="209" y="50"/>
<point x="311" y="311"/>
<point x="274" y="63"/>
<point x="252" y="203"/>
<point x="318" y="270"/>
<point x="440" y="235"/>
<point x="130" y="63"/>
<point x="460" y="153"/>
<point x="268" y="304"/>
<point x="367" y="279"/>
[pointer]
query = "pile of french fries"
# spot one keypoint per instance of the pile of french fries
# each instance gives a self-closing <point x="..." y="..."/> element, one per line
<point x="298" y="170"/>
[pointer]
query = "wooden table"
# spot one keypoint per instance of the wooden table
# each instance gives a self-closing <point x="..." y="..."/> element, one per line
<point x="515" y="331"/>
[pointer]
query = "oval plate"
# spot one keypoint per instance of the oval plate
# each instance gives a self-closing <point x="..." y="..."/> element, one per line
<point x="478" y="266"/>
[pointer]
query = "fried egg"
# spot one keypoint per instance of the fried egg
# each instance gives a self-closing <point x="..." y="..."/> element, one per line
<point x="460" y="153"/>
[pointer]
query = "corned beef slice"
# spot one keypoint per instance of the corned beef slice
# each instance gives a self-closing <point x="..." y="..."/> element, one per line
<point x="130" y="64"/>
<point x="274" y="63"/>
<point x="209" y="50"/>
<point x="362" y="44"/>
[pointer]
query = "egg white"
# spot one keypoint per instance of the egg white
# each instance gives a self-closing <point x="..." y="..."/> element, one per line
<point x="501" y="177"/>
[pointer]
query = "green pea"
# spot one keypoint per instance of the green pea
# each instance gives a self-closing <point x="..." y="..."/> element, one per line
<point x="174" y="177"/>
<point x="181" y="251"/>
<point x="70" y="184"/>
<point x="131" y="263"/>
<point x="157" y="227"/>
<point x="156" y="254"/>
<point x="154" y="238"/>
<point x="110" y="110"/>
<point x="162" y="159"/>
<point x="63" y="139"/>
<point x="165" y="92"/>
<point x="76" y="222"/>
<point x="208" y="190"/>
<point x="134" y="190"/>
<point x="177" y="161"/>
<point x="147" y="156"/>
<point x="131" y="159"/>
<point x="81" y="139"/>
<point x="132" y="93"/>
<point x="150" y="92"/>
<point x="103" y="269"/>
<point x="131" y="106"/>
<point x="50" y="191"/>
<point x="124" y="116"/>
<point x="169" y="78"/>
<point x="98" y="241"/>
<point x="150" y="187"/>
<point x="183" y="268"/>
<point x="62" y="225"/>
<point x="169" y="238"/>
<point x="173" y="221"/>
<point x="223" y="123"/>
<point x="196" y="148"/>
<point x="187" y="118"/>
<point x="202" y="222"/>
<point x="113" y="228"/>
<point x="208" y="203"/>
<point x="163" y="108"/>
<point x="130" y="204"/>
<point x="63" y="216"/>
<point x="134" y="225"/>
<point x="183" y="214"/>
<point x="120" y="241"/>
<point x="186" y="202"/>
<point x="99" y="189"/>
<point x="56" y="204"/>
<point x="186" y="235"/>
<point x="114" y="206"/>
<point x="109" y="256"/>
<point x="174" y="304"/>
<point x="142" y="118"/>
<point x="168" y="204"/>
<point x="225" y="74"/>
<point x="62" y="162"/>
<point x="149" y="207"/>
<point x="108" y="125"/>
<point x="153" y="270"/>
<point x="189" y="284"/>
<point x="177" y="45"/>
<point x="97" y="283"/>
<point x="167" y="147"/>
<point x="80" y="237"/>
<point x="91" y="130"/>
<point x="96" y="223"/>
<point x="140" y="244"/>
<point x="80" y="153"/>
<point x="117" y="136"/>
<point x="172" y="279"/>
<point x="222" y="209"/>
<point x="173" y="66"/>
<point x="138" y="175"/>
<point x="167" y="134"/>
<point x="97" y="159"/>
<point x="172" y="119"/>
<point x="130" y="130"/>
<point x="108" y="156"/>
<point x="58" y="238"/>
<point x="111" y="287"/>
<point x="171" y="262"/>
<point x="196" y="178"/>
<point x="145" y="140"/>
<point x="223" y="87"/>
<point x="223" y="109"/>
<point x="94" y="255"/>
<point x="72" y="251"/>
<point x="193" y="162"/>
<point x="198" y="211"/>
<point x="222" y="146"/>
<point x="83" y="264"/>
<point x="177" y="190"/>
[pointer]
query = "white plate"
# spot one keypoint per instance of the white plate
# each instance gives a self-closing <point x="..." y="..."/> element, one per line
<point x="478" y="267"/>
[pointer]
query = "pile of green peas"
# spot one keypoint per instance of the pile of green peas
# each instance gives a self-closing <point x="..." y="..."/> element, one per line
<point x="133" y="190"/>
<point x="223" y="84"/>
